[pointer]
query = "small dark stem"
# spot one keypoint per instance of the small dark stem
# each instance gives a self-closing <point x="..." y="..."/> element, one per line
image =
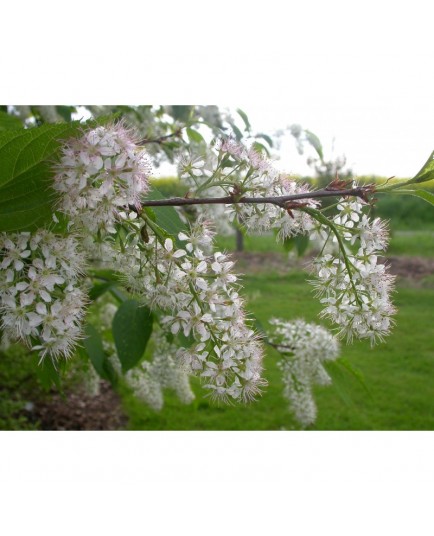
<point x="161" y="139"/>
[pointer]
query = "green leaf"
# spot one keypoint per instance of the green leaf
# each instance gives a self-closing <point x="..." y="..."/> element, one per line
<point x="93" y="346"/>
<point x="422" y="194"/>
<point x="99" y="289"/>
<point x="244" y="117"/>
<point x="166" y="217"/>
<point x="66" y="112"/>
<point x="26" y="155"/>
<point x="9" y="122"/>
<point x="266" y="138"/>
<point x="26" y="203"/>
<point x="260" y="148"/>
<point x="24" y="150"/>
<point x="181" y="112"/>
<point x="132" y="328"/>
<point x="300" y="242"/>
<point x="343" y="375"/>
<point x="194" y="136"/>
<point x="314" y="142"/>
<point x="427" y="171"/>
<point x="237" y="131"/>
<point x="48" y="373"/>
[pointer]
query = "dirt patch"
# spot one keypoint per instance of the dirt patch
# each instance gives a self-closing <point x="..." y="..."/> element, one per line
<point x="411" y="267"/>
<point x="248" y="262"/>
<point x="253" y="262"/>
<point x="80" y="411"/>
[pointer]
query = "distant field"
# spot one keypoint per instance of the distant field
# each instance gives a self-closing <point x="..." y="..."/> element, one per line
<point x="419" y="243"/>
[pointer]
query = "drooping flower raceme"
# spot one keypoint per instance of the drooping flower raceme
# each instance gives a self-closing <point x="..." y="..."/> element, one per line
<point x="100" y="174"/>
<point x="199" y="295"/>
<point x="42" y="301"/>
<point x="304" y="348"/>
<point x="356" y="290"/>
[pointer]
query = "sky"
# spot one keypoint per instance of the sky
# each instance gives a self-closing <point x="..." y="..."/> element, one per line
<point x="359" y="75"/>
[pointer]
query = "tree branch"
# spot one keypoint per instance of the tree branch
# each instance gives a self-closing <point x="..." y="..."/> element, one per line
<point x="281" y="201"/>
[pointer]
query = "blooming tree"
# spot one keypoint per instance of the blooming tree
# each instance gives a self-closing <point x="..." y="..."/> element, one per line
<point x="78" y="218"/>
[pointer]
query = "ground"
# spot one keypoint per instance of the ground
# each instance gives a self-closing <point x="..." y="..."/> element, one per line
<point x="80" y="411"/>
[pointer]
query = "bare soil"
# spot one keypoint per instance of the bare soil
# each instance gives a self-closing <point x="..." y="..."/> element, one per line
<point x="80" y="411"/>
<point x="273" y="262"/>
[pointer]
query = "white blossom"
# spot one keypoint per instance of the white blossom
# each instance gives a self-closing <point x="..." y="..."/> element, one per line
<point x="356" y="293"/>
<point x="99" y="175"/>
<point x="42" y="302"/>
<point x="304" y="348"/>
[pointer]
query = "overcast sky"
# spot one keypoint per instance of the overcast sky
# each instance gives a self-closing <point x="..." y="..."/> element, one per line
<point x="358" y="73"/>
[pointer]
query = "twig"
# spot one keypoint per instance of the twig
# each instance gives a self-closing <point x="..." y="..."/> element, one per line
<point x="284" y="201"/>
<point x="161" y="139"/>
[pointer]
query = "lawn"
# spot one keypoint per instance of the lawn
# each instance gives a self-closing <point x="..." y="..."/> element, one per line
<point x="398" y="374"/>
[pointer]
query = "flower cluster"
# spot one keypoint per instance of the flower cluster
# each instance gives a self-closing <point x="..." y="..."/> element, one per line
<point x="304" y="348"/>
<point x="41" y="298"/>
<point x="200" y="296"/>
<point x="100" y="174"/>
<point x="255" y="176"/>
<point x="356" y="288"/>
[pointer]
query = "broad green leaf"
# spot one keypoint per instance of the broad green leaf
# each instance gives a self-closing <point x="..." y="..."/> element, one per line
<point x="194" y="136"/>
<point x="244" y="117"/>
<point x="26" y="203"/>
<point x="25" y="150"/>
<point x="132" y="328"/>
<point x="26" y="156"/>
<point x="166" y="217"/>
<point x="9" y="122"/>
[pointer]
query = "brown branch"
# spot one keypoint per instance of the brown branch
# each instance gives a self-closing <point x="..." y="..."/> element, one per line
<point x="161" y="139"/>
<point x="285" y="201"/>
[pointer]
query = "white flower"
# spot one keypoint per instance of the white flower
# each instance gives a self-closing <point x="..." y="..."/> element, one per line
<point x="357" y="299"/>
<point x="304" y="348"/>
<point x="99" y="175"/>
<point x="42" y="303"/>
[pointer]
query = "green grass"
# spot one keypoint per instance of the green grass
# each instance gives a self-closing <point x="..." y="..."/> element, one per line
<point x="257" y="243"/>
<point x="411" y="243"/>
<point x="419" y="243"/>
<point x="399" y="373"/>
